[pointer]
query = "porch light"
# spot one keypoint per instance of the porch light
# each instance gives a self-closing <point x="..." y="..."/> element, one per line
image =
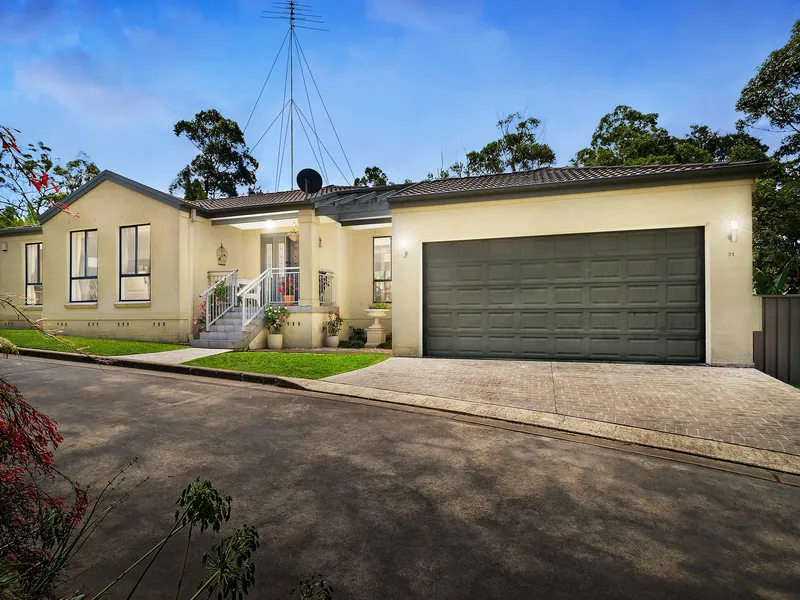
<point x="404" y="248"/>
<point x="734" y="230"/>
<point x="4" y="246"/>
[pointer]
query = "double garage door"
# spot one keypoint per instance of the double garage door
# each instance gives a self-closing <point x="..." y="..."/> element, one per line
<point x="628" y="296"/>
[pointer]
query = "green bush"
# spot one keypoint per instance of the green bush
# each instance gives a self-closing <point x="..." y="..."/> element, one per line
<point x="352" y="344"/>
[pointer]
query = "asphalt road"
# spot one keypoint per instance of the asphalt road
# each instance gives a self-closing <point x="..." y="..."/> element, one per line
<point x="393" y="504"/>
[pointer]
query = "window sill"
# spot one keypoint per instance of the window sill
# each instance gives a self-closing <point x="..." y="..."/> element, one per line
<point x="132" y="304"/>
<point x="80" y="305"/>
<point x="28" y="307"/>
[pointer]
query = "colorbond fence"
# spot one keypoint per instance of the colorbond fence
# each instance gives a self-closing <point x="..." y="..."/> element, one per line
<point x="776" y="348"/>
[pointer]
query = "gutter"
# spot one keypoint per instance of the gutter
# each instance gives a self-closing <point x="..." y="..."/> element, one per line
<point x="721" y="173"/>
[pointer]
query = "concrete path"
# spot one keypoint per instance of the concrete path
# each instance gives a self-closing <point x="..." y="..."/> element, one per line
<point x="175" y="357"/>
<point x="730" y="405"/>
<point x="393" y="504"/>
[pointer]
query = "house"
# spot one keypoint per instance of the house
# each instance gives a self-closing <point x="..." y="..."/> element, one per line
<point x="636" y="263"/>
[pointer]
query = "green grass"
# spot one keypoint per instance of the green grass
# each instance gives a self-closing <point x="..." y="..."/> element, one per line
<point x="27" y="338"/>
<point x="289" y="364"/>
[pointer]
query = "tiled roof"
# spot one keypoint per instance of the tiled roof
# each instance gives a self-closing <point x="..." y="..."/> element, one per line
<point x="266" y="199"/>
<point x="546" y="176"/>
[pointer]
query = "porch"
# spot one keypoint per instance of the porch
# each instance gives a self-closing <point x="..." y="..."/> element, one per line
<point x="312" y="259"/>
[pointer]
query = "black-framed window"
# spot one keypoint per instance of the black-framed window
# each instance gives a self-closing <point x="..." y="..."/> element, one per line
<point x="134" y="263"/>
<point x="33" y="274"/>
<point x="382" y="269"/>
<point x="83" y="266"/>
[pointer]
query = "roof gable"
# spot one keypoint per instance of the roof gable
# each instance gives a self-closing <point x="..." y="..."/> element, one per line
<point x="119" y="180"/>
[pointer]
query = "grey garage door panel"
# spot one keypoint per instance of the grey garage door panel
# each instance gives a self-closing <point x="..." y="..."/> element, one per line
<point x="611" y="296"/>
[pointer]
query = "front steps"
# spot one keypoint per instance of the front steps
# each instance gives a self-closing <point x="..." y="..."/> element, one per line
<point x="226" y="332"/>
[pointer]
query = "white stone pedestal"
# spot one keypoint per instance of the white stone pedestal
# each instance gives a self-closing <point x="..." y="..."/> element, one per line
<point x="376" y="333"/>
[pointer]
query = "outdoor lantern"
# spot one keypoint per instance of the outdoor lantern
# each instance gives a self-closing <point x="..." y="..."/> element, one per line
<point x="734" y="230"/>
<point x="222" y="255"/>
<point x="4" y="246"/>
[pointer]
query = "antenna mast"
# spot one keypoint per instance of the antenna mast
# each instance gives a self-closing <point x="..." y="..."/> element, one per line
<point x="291" y="11"/>
<point x="299" y="16"/>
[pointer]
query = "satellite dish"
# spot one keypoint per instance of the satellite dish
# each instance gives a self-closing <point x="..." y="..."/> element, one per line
<point x="309" y="181"/>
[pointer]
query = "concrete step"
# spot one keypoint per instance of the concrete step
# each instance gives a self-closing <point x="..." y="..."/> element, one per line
<point x="223" y="335"/>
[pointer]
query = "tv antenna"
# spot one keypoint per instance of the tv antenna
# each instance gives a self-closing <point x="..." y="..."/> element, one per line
<point x="299" y="16"/>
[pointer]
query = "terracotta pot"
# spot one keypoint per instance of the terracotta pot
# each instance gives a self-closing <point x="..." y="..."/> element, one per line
<point x="288" y="300"/>
<point x="332" y="341"/>
<point x="275" y="341"/>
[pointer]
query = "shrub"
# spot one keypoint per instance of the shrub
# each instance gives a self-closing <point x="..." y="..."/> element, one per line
<point x="334" y="324"/>
<point x="352" y="344"/>
<point x="275" y="318"/>
<point x="379" y="306"/>
<point x="358" y="334"/>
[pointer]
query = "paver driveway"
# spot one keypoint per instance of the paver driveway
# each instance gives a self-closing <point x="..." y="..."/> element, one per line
<point x="740" y="406"/>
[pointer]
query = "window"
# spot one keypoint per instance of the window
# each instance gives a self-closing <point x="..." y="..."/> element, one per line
<point x="382" y="269"/>
<point x="33" y="274"/>
<point x="83" y="266"/>
<point x="134" y="263"/>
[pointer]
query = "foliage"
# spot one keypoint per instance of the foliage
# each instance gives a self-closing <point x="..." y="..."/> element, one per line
<point x="519" y="148"/>
<point x="379" y="306"/>
<point x="312" y="588"/>
<point x="35" y="526"/>
<point x="772" y="95"/>
<point x="373" y="177"/>
<point x="30" y="180"/>
<point x="275" y="318"/>
<point x="351" y="343"/>
<point x="193" y="188"/>
<point x="224" y="162"/>
<point x="308" y="365"/>
<point x="231" y="565"/>
<point x="358" y="333"/>
<point x="765" y="285"/>
<point x="202" y="316"/>
<point x="334" y="324"/>
<point x="27" y="338"/>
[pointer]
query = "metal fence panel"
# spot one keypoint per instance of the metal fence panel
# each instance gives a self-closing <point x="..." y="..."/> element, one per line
<point x="776" y="348"/>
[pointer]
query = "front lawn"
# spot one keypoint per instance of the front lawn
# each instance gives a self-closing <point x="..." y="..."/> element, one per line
<point x="306" y="365"/>
<point x="28" y="338"/>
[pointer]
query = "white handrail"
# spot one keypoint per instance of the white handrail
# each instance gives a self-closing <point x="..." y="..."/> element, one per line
<point x="271" y="287"/>
<point x="218" y="302"/>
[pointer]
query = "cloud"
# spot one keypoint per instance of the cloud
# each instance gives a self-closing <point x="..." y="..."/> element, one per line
<point x="88" y="89"/>
<point x="23" y="21"/>
<point x="444" y="15"/>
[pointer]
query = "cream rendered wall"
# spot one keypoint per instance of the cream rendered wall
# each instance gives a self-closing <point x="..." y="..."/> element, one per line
<point x="729" y="302"/>
<point x="200" y="254"/>
<point x="106" y="208"/>
<point x="358" y="276"/>
<point x="12" y="279"/>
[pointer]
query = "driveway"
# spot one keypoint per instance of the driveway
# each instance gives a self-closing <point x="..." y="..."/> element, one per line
<point x="733" y="405"/>
<point x="394" y="505"/>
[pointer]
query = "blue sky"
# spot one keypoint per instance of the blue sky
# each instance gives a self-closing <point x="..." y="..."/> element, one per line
<point x="406" y="81"/>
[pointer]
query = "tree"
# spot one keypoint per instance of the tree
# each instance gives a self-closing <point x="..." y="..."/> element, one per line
<point x="31" y="182"/>
<point x="772" y="95"/>
<point x="193" y="188"/>
<point x="629" y="137"/>
<point x="224" y="162"/>
<point x="373" y="177"/>
<point x="519" y="148"/>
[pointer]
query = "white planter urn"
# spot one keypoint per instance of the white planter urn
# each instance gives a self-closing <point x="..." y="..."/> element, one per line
<point x="332" y="341"/>
<point x="275" y="341"/>
<point x="376" y="333"/>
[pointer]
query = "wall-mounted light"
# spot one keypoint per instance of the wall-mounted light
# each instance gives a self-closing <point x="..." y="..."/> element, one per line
<point x="404" y="248"/>
<point x="734" y="230"/>
<point x="4" y="246"/>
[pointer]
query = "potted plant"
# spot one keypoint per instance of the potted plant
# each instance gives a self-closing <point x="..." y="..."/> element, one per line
<point x="293" y="233"/>
<point x="287" y="289"/>
<point x="275" y="317"/>
<point x="376" y="333"/>
<point x="332" y="328"/>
